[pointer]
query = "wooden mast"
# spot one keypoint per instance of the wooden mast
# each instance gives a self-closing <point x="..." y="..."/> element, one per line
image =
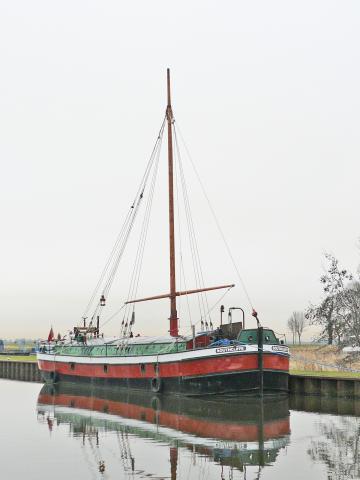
<point x="174" y="331"/>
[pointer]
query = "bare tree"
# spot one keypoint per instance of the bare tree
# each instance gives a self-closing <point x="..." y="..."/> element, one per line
<point x="291" y="323"/>
<point x="300" y="323"/>
<point x="296" y="325"/>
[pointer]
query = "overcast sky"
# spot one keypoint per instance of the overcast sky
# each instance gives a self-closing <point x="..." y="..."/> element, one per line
<point x="267" y="96"/>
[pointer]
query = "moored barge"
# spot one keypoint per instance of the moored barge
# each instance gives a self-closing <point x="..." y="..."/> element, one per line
<point x="211" y="361"/>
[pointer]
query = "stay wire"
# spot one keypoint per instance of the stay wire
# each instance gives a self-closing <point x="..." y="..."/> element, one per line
<point x="147" y="217"/>
<point x="192" y="250"/>
<point x="135" y="277"/>
<point x="215" y="304"/>
<point x="122" y="238"/>
<point x="119" y="237"/>
<point x="182" y="270"/>
<point x="112" y="316"/>
<point x="124" y="227"/>
<point x="138" y="202"/>
<point x="116" y="262"/>
<point x="144" y="234"/>
<point x="203" y="295"/>
<point x="216" y="220"/>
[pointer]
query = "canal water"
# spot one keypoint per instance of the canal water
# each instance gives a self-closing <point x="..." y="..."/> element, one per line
<point x="77" y="433"/>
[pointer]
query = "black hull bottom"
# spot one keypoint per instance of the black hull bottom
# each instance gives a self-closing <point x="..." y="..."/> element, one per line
<point x="246" y="383"/>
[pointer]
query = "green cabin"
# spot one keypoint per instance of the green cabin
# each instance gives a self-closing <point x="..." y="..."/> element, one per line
<point x="250" y="337"/>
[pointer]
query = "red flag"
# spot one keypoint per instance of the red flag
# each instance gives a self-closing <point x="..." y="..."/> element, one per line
<point x="51" y="335"/>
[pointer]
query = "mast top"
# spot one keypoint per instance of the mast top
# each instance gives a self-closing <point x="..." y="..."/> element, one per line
<point x="168" y="89"/>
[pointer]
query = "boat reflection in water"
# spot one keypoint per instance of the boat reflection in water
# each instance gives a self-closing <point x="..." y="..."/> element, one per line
<point x="230" y="433"/>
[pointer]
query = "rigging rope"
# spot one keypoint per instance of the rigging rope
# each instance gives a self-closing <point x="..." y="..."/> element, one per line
<point x="198" y="272"/>
<point x="182" y="270"/>
<point x="112" y="253"/>
<point x="117" y="259"/>
<point x="112" y="316"/>
<point x="135" y="277"/>
<point x="214" y="305"/>
<point x="117" y="251"/>
<point x="216" y="219"/>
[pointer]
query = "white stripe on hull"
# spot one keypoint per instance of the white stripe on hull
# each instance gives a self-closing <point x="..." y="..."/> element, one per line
<point x="161" y="358"/>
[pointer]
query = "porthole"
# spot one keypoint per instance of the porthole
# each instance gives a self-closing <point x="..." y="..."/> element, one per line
<point x="105" y="368"/>
<point x="72" y="366"/>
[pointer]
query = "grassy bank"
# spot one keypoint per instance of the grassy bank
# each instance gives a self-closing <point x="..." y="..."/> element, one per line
<point x="326" y="373"/>
<point x="18" y="358"/>
<point x="326" y="360"/>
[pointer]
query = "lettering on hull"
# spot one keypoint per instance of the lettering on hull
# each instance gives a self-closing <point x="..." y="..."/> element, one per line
<point x="236" y="348"/>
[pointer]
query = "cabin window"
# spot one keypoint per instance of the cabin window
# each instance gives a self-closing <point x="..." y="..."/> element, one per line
<point x="72" y="366"/>
<point x="105" y="368"/>
<point x="142" y="368"/>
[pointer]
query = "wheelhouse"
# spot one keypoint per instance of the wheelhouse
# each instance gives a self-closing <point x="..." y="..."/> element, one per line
<point x="250" y="337"/>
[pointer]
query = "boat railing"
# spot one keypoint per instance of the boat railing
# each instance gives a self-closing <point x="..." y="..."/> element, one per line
<point x="47" y="348"/>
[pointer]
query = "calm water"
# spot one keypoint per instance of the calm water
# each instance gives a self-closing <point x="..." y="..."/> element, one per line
<point x="69" y="433"/>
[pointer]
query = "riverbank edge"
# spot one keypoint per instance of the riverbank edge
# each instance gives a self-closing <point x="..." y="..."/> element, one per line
<point x="299" y="383"/>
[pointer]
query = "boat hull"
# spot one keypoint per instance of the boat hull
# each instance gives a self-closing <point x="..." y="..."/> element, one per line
<point x="217" y="373"/>
<point x="225" y="383"/>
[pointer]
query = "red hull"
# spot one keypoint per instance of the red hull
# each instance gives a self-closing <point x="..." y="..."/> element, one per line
<point x="189" y="368"/>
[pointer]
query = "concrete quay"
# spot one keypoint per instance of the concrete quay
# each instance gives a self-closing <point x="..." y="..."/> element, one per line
<point x="25" y="371"/>
<point x="324" y="386"/>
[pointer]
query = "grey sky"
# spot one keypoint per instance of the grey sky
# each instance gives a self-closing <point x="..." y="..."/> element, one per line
<point x="267" y="97"/>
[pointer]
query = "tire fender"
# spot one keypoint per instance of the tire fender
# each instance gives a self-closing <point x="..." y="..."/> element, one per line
<point x="156" y="384"/>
